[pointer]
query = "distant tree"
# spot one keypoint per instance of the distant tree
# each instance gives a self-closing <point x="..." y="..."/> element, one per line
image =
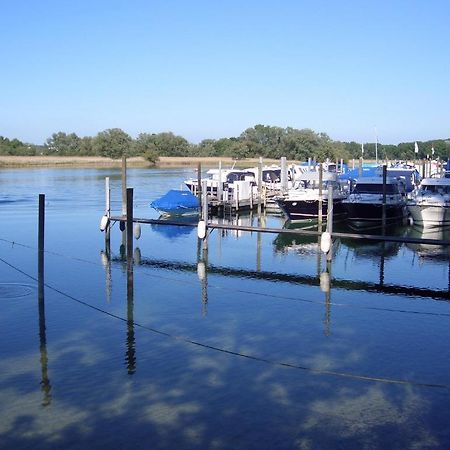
<point x="63" y="144"/>
<point x="112" y="143"/>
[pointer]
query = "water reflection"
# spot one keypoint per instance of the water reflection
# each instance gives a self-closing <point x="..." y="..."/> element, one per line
<point x="428" y="250"/>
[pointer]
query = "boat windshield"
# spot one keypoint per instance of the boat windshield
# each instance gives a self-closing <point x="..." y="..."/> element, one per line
<point x="363" y="188"/>
<point x="435" y="189"/>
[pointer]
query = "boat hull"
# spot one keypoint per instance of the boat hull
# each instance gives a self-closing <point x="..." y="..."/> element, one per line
<point x="430" y="215"/>
<point x="370" y="215"/>
<point x="308" y="210"/>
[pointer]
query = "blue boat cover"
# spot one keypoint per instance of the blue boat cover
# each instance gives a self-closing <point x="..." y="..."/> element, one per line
<point x="176" y="200"/>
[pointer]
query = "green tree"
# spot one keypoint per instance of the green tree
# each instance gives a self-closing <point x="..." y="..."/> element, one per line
<point x="63" y="144"/>
<point x="112" y="143"/>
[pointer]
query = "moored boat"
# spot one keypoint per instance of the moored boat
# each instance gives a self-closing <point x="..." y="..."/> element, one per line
<point x="301" y="203"/>
<point x="364" y="205"/>
<point x="430" y="206"/>
<point x="177" y="203"/>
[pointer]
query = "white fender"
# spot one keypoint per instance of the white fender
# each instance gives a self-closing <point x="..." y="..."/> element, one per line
<point x="104" y="222"/>
<point x="325" y="242"/>
<point x="137" y="230"/>
<point x="201" y="229"/>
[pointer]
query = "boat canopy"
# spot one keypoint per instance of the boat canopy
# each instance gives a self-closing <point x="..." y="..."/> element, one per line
<point x="176" y="199"/>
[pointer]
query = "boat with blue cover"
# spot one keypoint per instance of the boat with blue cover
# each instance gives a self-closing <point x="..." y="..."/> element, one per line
<point x="177" y="203"/>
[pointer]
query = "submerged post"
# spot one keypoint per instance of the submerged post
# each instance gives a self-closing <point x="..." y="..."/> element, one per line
<point x="320" y="203"/>
<point x="129" y="229"/>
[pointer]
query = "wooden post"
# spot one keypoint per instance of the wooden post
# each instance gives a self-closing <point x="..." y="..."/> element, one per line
<point x="107" y="210"/>
<point x="284" y="174"/>
<point x="124" y="197"/>
<point x="360" y="170"/>
<point x="129" y="229"/>
<point x="383" y="217"/>
<point x="319" y="212"/>
<point x="41" y="230"/>
<point x="45" y="382"/>
<point x="205" y="213"/>
<point x="236" y="197"/>
<point x="260" y="164"/>
<point x="330" y="219"/>
<point x="199" y="186"/>
<point x="220" y="185"/>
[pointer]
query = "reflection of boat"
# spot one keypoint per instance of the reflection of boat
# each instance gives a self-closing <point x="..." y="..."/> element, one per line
<point x="176" y="203"/>
<point x="302" y="201"/>
<point x="430" y="206"/>
<point x="175" y="231"/>
<point x="364" y="205"/>
<point x="430" y="250"/>
<point x="300" y="243"/>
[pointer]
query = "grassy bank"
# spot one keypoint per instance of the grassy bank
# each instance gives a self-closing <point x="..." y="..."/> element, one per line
<point x="89" y="161"/>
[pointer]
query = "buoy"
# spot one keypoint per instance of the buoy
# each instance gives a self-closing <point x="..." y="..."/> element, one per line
<point x="325" y="282"/>
<point x="104" y="222"/>
<point x="122" y="225"/>
<point x="201" y="229"/>
<point x="137" y="230"/>
<point x="325" y="242"/>
<point x="410" y="221"/>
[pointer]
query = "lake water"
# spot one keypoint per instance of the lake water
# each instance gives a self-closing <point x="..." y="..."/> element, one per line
<point x="240" y="348"/>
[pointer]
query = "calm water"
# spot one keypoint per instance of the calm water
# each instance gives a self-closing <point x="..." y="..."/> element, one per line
<point x="250" y="353"/>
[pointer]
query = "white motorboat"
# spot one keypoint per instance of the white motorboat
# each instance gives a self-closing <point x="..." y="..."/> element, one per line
<point x="302" y="201"/>
<point x="430" y="206"/>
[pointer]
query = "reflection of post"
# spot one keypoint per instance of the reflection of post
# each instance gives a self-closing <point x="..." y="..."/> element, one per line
<point x="106" y="261"/>
<point x="45" y="382"/>
<point x="202" y="273"/>
<point x="382" y="264"/>
<point x="130" y="355"/>
<point x="325" y="286"/>
<point x="258" y="250"/>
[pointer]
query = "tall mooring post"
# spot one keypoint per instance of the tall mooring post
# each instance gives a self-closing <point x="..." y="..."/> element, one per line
<point x="129" y="228"/>
<point x="319" y="212"/>
<point x="330" y="219"/>
<point x="260" y="165"/>
<point x="124" y="197"/>
<point x="107" y="212"/>
<point x="284" y="174"/>
<point x="204" y="215"/>
<point x="383" y="212"/>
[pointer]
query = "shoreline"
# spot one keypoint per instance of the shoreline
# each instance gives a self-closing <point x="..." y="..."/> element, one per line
<point x="97" y="161"/>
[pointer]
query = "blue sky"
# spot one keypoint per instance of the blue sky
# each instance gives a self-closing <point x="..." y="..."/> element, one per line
<point x="210" y="69"/>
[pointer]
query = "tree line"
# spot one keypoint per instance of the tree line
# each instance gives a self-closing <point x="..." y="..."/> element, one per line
<point x="260" y="140"/>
